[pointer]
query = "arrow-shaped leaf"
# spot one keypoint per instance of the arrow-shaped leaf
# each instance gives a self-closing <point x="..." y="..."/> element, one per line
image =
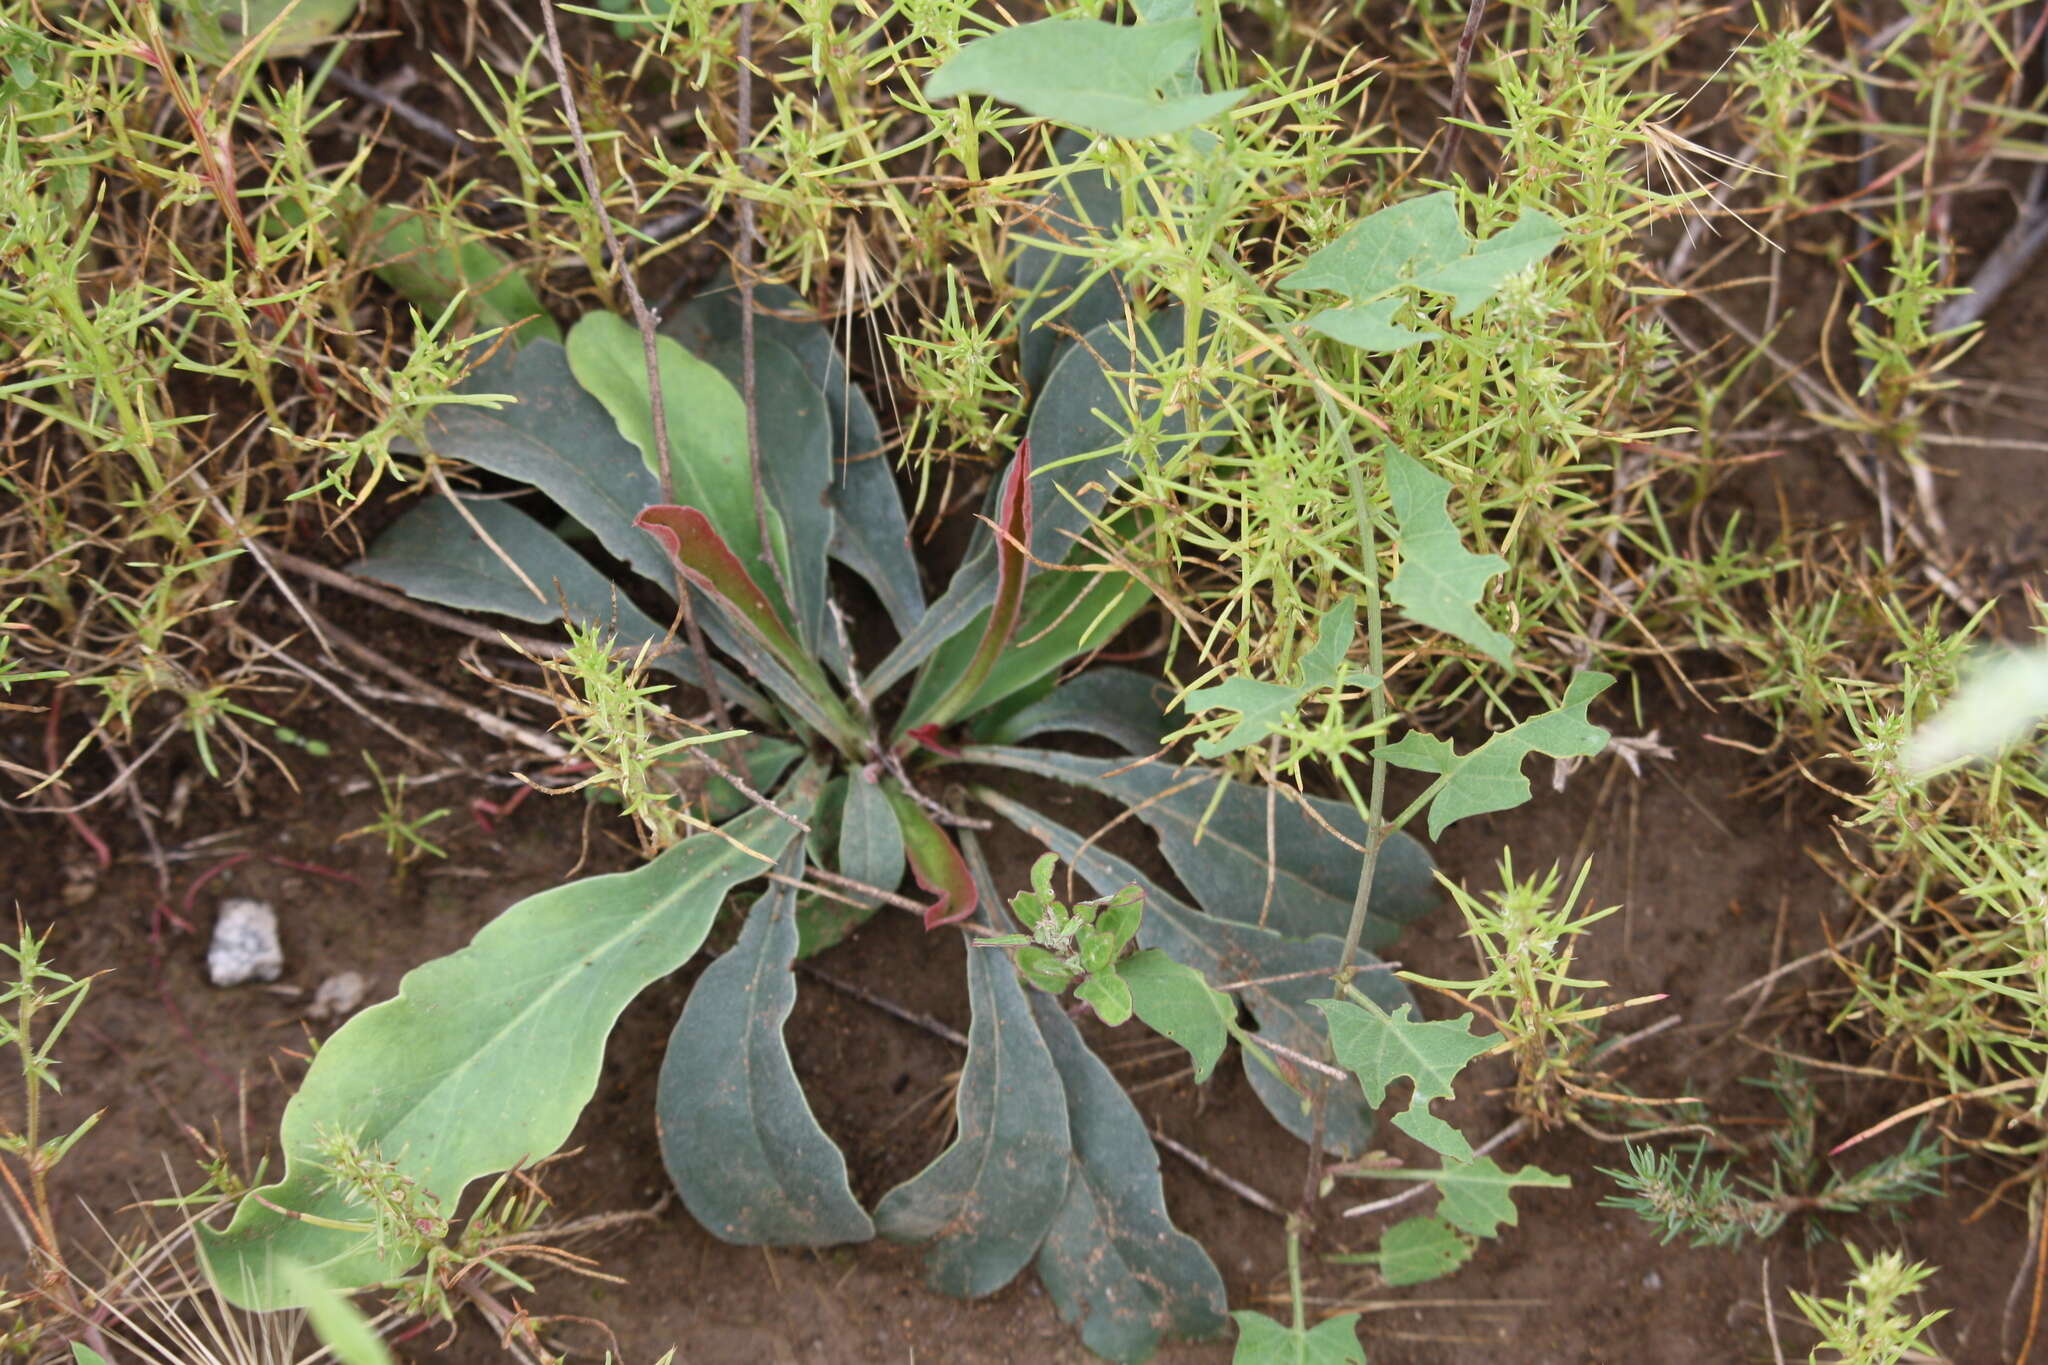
<point x="1380" y="1047"/>
<point x="1262" y="1341"/>
<point x="1477" y="1195"/>
<point x="1264" y="707"/>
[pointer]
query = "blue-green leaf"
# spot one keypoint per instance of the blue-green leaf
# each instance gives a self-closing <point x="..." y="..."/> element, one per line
<point x="432" y="553"/>
<point x="870" y="534"/>
<point x="1217" y="845"/>
<point x="870" y="838"/>
<point x="1077" y="208"/>
<point x="1125" y="707"/>
<point x="984" y="1206"/>
<point x="1077" y="457"/>
<point x="1112" y="1260"/>
<point x="1227" y="953"/>
<point x="737" y="1136"/>
<point x="561" y="440"/>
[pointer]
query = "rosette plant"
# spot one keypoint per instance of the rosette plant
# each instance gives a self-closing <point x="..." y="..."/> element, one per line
<point x="870" y="776"/>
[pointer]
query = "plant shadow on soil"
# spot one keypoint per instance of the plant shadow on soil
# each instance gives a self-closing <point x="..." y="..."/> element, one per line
<point x="1710" y="879"/>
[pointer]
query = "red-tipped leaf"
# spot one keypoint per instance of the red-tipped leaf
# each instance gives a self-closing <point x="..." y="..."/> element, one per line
<point x="935" y="862"/>
<point x="1013" y="564"/>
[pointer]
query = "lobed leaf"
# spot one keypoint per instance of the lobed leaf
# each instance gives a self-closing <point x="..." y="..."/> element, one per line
<point x="1477" y="1195"/>
<point x="737" y="1136"/>
<point x="1106" y="78"/>
<point x="1439" y="580"/>
<point x="1262" y="1341"/>
<point x="1420" y="244"/>
<point x="1417" y="1250"/>
<point x="483" y="1060"/>
<point x="1489" y="778"/>
<point x="1264" y="707"/>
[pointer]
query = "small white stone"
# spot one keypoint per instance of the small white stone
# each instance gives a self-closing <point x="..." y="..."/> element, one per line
<point x="1653" y="1282"/>
<point x="245" y="946"/>
<point x="338" y="995"/>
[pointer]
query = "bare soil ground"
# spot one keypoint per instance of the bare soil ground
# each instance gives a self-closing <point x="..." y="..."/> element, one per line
<point x="1717" y="886"/>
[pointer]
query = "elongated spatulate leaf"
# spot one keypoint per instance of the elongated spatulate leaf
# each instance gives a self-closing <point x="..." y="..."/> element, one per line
<point x="704" y="415"/>
<point x="796" y="472"/>
<point x="561" y="440"/>
<point x="484" y="1059"/>
<point x="870" y="837"/>
<point x="1123" y="706"/>
<point x="757" y="632"/>
<point x="432" y="553"/>
<point x="984" y="1206"/>
<point x="1081" y="205"/>
<point x="1013" y="520"/>
<point x="737" y="1135"/>
<point x="1113" y="1261"/>
<point x="935" y="861"/>
<point x="1078" y="455"/>
<point x="1224" y="861"/>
